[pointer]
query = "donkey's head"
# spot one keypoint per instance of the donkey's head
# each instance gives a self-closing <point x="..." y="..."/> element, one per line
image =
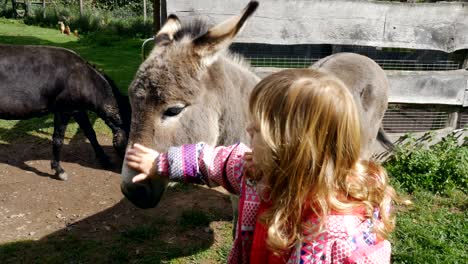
<point x="177" y="95"/>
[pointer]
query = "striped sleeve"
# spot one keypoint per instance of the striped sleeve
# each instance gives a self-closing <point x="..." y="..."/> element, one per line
<point x="203" y="164"/>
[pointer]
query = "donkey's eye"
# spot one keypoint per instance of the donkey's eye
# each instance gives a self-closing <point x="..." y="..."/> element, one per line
<point x="173" y="111"/>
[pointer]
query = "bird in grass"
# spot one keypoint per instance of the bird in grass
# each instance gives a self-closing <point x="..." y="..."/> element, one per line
<point x="67" y="30"/>
<point x="62" y="27"/>
<point x="75" y="32"/>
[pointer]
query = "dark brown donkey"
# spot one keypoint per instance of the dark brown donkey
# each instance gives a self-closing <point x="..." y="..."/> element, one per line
<point x="191" y="89"/>
<point x="38" y="80"/>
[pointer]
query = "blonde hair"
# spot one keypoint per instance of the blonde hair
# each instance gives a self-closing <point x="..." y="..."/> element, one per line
<point x="311" y="129"/>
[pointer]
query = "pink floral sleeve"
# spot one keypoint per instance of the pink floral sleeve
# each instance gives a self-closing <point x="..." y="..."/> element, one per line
<point x="203" y="164"/>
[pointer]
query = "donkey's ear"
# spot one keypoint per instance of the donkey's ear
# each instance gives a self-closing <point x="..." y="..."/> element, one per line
<point x="221" y="36"/>
<point x="167" y="32"/>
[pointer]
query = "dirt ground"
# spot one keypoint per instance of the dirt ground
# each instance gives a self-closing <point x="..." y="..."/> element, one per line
<point x="34" y="205"/>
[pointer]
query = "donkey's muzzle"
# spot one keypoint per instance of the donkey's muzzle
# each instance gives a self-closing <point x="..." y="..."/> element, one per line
<point x="145" y="194"/>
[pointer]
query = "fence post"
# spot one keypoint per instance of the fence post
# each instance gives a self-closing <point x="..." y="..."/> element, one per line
<point x="27" y="8"/>
<point x="156" y="16"/>
<point x="144" y="11"/>
<point x="337" y="49"/>
<point x="159" y="14"/>
<point x="163" y="12"/>
<point x="465" y="100"/>
<point x="452" y="120"/>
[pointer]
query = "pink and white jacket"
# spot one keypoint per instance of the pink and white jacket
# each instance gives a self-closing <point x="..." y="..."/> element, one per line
<point x="345" y="239"/>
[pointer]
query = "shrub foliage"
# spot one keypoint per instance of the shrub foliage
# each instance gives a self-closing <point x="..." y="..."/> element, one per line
<point x="439" y="168"/>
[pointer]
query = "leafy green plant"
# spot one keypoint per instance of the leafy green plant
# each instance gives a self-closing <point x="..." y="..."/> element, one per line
<point x="6" y="11"/>
<point x="439" y="168"/>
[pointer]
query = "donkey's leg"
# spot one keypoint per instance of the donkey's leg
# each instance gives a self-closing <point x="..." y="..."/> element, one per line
<point x="60" y="126"/>
<point x="84" y="123"/>
<point x="114" y="122"/>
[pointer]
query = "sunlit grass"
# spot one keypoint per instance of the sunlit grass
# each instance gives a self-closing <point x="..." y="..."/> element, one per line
<point x="16" y="28"/>
<point x="433" y="230"/>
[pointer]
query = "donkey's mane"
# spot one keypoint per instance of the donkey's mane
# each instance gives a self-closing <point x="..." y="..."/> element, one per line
<point x="122" y="100"/>
<point x="115" y="89"/>
<point x="113" y="85"/>
<point x="193" y="28"/>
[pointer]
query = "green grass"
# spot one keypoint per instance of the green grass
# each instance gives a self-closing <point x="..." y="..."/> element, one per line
<point x="433" y="230"/>
<point x="11" y="29"/>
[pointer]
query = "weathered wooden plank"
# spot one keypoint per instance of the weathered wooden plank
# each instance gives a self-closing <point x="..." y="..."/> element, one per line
<point x="441" y="87"/>
<point x="414" y="87"/>
<point x="440" y="26"/>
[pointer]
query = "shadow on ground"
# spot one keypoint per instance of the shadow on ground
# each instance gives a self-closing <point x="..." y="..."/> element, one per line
<point x="190" y="221"/>
<point x="40" y="147"/>
<point x="179" y="227"/>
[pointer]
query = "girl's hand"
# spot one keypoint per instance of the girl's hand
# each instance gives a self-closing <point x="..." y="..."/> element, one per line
<point x="143" y="160"/>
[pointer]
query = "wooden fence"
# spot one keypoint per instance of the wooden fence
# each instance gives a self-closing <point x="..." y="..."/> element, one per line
<point x="419" y="100"/>
<point x="440" y="26"/>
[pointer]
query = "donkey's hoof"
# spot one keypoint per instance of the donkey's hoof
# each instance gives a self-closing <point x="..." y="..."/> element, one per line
<point x="62" y="176"/>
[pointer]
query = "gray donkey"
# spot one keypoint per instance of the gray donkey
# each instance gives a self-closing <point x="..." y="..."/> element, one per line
<point x="191" y="89"/>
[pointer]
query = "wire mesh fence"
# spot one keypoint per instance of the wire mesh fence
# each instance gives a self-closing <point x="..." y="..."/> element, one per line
<point x="386" y="64"/>
<point x="414" y="65"/>
<point x="462" y="120"/>
<point x="414" y="120"/>
<point x="282" y="62"/>
<point x="303" y="55"/>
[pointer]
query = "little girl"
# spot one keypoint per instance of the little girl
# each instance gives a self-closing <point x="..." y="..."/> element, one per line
<point x="305" y="196"/>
